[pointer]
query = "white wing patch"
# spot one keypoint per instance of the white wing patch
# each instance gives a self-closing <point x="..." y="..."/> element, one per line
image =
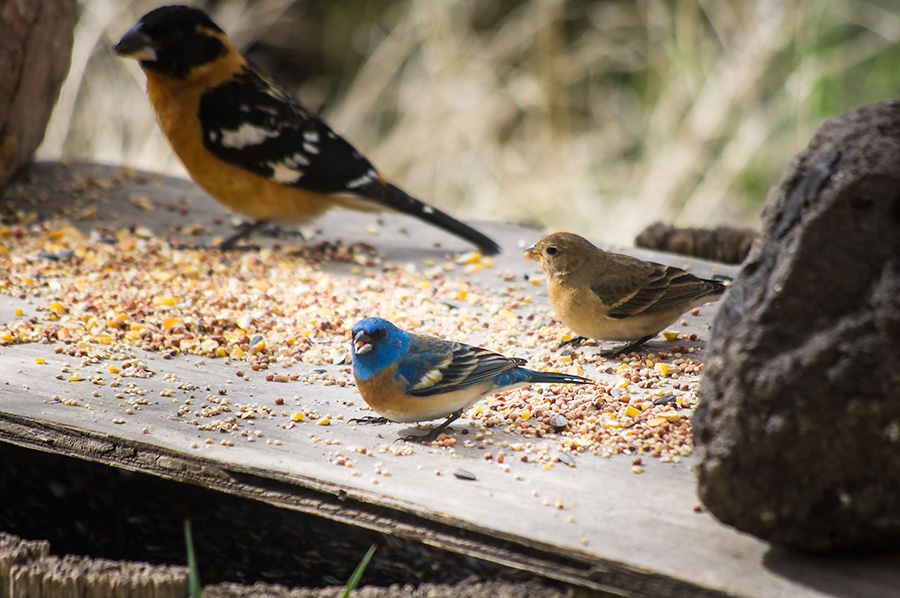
<point x="363" y="180"/>
<point x="296" y="160"/>
<point x="284" y="173"/>
<point x="434" y="375"/>
<point x="245" y="136"/>
<point x="288" y="171"/>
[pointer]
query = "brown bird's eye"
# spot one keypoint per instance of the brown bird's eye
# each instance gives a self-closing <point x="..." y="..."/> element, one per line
<point x="551" y="250"/>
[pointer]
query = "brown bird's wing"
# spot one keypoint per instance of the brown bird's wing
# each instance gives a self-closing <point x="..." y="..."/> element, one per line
<point x="659" y="289"/>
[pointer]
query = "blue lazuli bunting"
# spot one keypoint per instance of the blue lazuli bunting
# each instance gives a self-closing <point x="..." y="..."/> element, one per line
<point x="410" y="378"/>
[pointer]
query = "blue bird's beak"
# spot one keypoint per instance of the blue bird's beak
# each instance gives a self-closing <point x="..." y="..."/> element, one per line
<point x="362" y="343"/>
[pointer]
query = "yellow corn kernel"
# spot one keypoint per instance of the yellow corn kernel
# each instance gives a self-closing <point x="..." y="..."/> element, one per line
<point x="470" y="257"/>
<point x="323" y="422"/>
<point x="666" y="368"/>
<point x="670" y="335"/>
<point x="104" y="339"/>
<point x="170" y="323"/>
<point x="168" y="300"/>
<point x="608" y="422"/>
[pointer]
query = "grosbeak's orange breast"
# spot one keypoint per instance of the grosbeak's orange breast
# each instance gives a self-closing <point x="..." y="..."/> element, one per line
<point x="176" y="103"/>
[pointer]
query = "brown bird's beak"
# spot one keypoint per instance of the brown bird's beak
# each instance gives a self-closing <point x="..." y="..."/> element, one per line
<point x="135" y="44"/>
<point x="532" y="253"/>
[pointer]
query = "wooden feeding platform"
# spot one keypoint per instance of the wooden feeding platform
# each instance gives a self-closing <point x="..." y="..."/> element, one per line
<point x="605" y="523"/>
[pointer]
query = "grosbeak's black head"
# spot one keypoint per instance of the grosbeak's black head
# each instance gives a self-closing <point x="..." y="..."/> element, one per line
<point x="172" y="40"/>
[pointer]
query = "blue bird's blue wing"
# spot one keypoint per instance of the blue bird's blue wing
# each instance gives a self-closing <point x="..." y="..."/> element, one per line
<point x="432" y="366"/>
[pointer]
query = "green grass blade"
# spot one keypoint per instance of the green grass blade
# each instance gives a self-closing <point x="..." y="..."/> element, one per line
<point x="354" y="579"/>
<point x="195" y="591"/>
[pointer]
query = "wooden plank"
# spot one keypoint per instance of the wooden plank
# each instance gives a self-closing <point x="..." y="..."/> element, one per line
<point x="633" y="535"/>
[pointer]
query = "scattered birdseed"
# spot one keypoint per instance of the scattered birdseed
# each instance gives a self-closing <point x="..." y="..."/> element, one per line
<point x="278" y="308"/>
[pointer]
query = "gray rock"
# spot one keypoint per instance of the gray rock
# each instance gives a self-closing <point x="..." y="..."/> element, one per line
<point x="798" y="426"/>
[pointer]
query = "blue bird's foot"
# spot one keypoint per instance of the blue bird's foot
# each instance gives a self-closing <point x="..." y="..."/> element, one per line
<point x="435" y="432"/>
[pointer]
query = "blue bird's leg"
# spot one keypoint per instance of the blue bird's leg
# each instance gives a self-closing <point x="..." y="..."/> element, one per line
<point x="436" y="432"/>
<point x="369" y="419"/>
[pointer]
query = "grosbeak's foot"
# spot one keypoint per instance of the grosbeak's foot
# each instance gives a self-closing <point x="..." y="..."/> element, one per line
<point x="273" y="230"/>
<point x="574" y="342"/>
<point x="369" y="420"/>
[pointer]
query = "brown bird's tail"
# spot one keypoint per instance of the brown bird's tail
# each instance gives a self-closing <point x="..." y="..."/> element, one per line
<point x="396" y="199"/>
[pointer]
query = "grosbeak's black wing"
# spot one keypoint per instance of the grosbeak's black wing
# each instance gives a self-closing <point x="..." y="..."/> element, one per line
<point x="253" y="124"/>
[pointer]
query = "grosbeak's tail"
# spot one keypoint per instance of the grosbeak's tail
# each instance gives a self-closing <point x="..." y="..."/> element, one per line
<point x="396" y="199"/>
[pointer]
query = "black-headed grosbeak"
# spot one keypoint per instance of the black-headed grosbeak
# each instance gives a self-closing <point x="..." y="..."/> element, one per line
<point x="248" y="143"/>
<point x="615" y="297"/>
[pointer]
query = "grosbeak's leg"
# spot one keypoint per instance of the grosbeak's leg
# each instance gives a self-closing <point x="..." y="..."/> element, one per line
<point x="435" y="432"/>
<point x="243" y="231"/>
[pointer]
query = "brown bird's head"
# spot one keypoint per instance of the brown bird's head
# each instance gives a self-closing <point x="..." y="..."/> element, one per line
<point x="562" y="254"/>
<point x="173" y="41"/>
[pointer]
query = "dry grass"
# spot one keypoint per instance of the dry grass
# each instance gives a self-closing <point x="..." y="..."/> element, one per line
<point x="598" y="117"/>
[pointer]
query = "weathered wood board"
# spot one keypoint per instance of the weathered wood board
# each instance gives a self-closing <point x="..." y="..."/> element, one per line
<point x="596" y="524"/>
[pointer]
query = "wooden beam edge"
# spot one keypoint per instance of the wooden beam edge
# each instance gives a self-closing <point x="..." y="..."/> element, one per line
<point x="344" y="505"/>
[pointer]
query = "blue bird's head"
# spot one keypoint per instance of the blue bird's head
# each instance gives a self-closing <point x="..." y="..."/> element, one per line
<point x="376" y="344"/>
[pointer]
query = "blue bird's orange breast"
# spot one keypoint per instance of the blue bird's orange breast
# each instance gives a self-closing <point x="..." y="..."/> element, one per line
<point x="385" y="393"/>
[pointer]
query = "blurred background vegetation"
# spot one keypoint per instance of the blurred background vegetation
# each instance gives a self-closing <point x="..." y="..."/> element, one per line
<point x="599" y="117"/>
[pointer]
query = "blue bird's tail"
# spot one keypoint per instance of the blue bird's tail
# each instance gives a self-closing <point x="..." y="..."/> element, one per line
<point x="526" y="376"/>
